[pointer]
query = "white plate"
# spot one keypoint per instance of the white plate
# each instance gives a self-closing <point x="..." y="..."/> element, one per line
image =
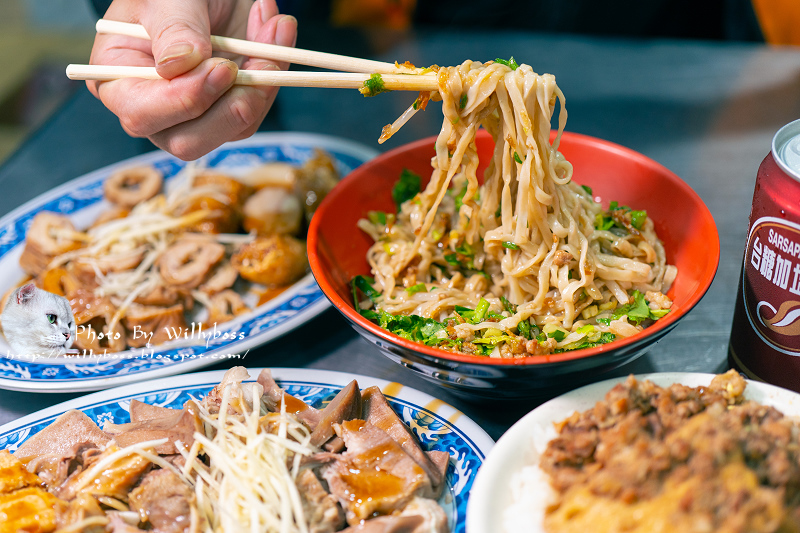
<point x="82" y="200"/>
<point x="438" y="425"/>
<point x="521" y="445"/>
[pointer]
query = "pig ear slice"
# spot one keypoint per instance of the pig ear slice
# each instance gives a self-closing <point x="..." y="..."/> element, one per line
<point x="345" y="406"/>
<point x="378" y="412"/>
<point x="273" y="396"/>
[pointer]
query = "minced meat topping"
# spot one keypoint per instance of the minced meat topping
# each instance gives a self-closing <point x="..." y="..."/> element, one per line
<point x="648" y="458"/>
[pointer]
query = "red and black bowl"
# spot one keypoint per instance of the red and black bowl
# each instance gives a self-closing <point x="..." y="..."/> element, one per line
<point x="337" y="251"/>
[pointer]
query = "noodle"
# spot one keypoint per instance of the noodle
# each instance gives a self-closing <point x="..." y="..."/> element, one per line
<point x="556" y="270"/>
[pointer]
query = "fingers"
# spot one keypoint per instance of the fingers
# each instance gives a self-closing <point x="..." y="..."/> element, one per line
<point x="241" y="110"/>
<point x="146" y="107"/>
<point x="179" y="30"/>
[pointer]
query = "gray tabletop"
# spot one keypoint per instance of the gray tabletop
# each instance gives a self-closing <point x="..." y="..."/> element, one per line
<point x="707" y="111"/>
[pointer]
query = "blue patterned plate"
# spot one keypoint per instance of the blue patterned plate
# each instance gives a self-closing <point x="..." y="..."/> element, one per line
<point x="82" y="199"/>
<point x="438" y="425"/>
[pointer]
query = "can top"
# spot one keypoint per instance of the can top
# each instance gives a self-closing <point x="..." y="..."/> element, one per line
<point x="786" y="149"/>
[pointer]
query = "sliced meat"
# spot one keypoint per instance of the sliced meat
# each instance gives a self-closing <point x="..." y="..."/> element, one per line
<point x="141" y="411"/>
<point x="177" y="427"/>
<point x="164" y="501"/>
<point x="320" y="508"/>
<point x="345" y="406"/>
<point x="379" y="413"/>
<point x="239" y="392"/>
<point x="335" y="445"/>
<point x="274" y="395"/>
<point x="115" y="480"/>
<point x="374" y="475"/>
<point x="164" y="323"/>
<point x="60" y="437"/>
<point x="388" y="524"/>
<point x="117" y="524"/>
<point x="433" y="518"/>
<point x="441" y="459"/>
<point x="78" y="509"/>
<point x="54" y="469"/>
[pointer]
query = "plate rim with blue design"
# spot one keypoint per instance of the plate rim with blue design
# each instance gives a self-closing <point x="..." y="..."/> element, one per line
<point x="297" y="305"/>
<point x="444" y="422"/>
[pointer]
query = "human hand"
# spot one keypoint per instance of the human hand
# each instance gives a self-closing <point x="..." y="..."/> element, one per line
<point x="195" y="108"/>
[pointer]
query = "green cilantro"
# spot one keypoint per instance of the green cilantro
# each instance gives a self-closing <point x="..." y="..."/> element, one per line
<point x="558" y="335"/>
<point x="406" y="188"/>
<point x="638" y="310"/>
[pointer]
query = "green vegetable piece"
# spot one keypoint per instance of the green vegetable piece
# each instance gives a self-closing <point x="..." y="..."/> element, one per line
<point x="517" y="158"/>
<point x="510" y="245"/>
<point x="636" y="311"/>
<point x="414" y="289"/>
<point x="373" y="86"/>
<point x="508" y="306"/>
<point x="638" y="218"/>
<point x="406" y="188"/>
<point x="509" y="63"/>
<point x="452" y="259"/>
<point x="585" y="330"/>
<point x="463" y="102"/>
<point x="587" y="189"/>
<point x="658" y="313"/>
<point x="480" y="311"/>
<point x="524" y="328"/>
<point x="377" y="217"/>
<point x="604" y="321"/>
<point x="558" y="335"/>
<point x="364" y="284"/>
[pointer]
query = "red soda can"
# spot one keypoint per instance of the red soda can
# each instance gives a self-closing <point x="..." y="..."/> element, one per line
<point x="765" y="337"/>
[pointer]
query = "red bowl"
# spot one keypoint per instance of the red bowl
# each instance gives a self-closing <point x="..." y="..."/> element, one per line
<point x="337" y="252"/>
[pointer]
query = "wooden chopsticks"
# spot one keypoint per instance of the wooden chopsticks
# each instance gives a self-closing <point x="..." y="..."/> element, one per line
<point x="356" y="71"/>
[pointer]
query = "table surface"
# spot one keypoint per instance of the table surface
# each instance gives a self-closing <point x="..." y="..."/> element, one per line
<point x="706" y="110"/>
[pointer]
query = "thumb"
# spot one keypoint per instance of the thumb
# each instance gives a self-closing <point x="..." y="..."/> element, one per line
<point x="180" y="32"/>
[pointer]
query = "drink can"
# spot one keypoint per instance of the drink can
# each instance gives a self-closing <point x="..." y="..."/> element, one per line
<point x="765" y="337"/>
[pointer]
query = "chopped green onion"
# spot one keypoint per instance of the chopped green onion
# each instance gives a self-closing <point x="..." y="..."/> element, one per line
<point x="587" y="189"/>
<point x="510" y="245"/>
<point x="517" y="158"/>
<point x="480" y="311"/>
<point x="508" y="306"/>
<point x="638" y="218"/>
<point x="419" y="287"/>
<point x="524" y="328"/>
<point x="373" y="86"/>
<point x="463" y="102"/>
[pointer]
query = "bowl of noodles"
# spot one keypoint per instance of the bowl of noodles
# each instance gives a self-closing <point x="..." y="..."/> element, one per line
<point x="503" y="259"/>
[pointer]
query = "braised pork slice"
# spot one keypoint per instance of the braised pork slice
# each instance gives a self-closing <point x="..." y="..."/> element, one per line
<point x="179" y="426"/>
<point x="379" y="413"/>
<point x="345" y="406"/>
<point x="322" y="511"/>
<point x="274" y="395"/>
<point x="374" y="475"/>
<point x="164" y="501"/>
<point x="68" y="430"/>
<point x="114" y="480"/>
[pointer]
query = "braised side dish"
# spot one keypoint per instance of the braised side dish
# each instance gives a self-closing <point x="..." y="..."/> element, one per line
<point x="247" y="457"/>
<point x="681" y="459"/>
<point x="159" y="262"/>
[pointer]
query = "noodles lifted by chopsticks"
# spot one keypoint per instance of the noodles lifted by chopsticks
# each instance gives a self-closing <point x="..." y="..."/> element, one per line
<point x="527" y="263"/>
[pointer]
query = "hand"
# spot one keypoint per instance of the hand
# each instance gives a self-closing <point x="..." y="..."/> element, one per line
<point x="195" y="108"/>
